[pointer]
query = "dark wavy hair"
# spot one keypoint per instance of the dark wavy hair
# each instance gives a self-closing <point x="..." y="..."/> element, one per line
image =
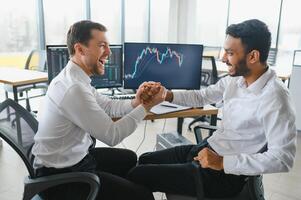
<point x="254" y="35"/>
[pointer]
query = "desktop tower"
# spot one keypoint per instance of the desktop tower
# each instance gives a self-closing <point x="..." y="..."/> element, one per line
<point x="168" y="140"/>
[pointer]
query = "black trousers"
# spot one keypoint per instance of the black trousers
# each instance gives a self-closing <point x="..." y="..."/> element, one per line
<point x="170" y="171"/>
<point x="111" y="165"/>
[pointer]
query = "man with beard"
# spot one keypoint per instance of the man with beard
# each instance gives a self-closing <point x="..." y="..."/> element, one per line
<point x="74" y="111"/>
<point x="257" y="115"/>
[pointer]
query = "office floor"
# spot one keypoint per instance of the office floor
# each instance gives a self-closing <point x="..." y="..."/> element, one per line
<point x="282" y="186"/>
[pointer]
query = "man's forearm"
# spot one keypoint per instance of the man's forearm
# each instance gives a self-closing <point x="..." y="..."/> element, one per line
<point x="169" y="96"/>
<point x="135" y="103"/>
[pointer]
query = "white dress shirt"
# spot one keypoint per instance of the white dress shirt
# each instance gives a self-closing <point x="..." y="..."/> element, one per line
<point x="253" y="116"/>
<point x="73" y="110"/>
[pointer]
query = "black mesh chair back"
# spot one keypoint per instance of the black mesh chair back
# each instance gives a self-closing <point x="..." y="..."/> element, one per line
<point x="209" y="71"/>
<point x="17" y="128"/>
<point x="272" y="56"/>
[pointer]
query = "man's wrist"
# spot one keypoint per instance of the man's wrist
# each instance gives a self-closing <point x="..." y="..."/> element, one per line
<point x="222" y="163"/>
<point x="169" y="96"/>
<point x="135" y="103"/>
<point x="146" y="107"/>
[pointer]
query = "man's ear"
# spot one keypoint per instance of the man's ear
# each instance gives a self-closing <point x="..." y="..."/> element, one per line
<point x="254" y="56"/>
<point x="78" y="48"/>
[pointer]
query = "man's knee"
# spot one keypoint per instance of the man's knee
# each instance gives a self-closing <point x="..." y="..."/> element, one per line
<point x="135" y="174"/>
<point x="144" y="158"/>
<point x="130" y="155"/>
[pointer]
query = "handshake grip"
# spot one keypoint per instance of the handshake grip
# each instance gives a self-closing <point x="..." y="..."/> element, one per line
<point x="150" y="89"/>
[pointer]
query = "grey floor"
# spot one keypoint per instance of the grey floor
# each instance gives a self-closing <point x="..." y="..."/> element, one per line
<point x="282" y="186"/>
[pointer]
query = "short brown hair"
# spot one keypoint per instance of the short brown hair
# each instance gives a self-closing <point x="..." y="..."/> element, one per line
<point x="81" y="32"/>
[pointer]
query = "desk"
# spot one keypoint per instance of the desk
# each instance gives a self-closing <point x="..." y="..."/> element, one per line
<point x="282" y="73"/>
<point x="17" y="78"/>
<point x="21" y="77"/>
<point x="207" y="110"/>
<point x="195" y="112"/>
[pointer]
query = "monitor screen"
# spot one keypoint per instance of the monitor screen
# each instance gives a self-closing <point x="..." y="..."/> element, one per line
<point x="58" y="57"/>
<point x="176" y="66"/>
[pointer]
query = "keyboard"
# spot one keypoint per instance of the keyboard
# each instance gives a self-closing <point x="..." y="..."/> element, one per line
<point x="122" y="97"/>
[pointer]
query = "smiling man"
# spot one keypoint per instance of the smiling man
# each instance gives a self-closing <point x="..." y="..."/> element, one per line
<point x="257" y="134"/>
<point x="74" y="111"/>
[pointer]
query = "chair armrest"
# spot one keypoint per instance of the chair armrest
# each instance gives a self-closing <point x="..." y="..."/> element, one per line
<point x="204" y="126"/>
<point x="198" y="180"/>
<point x="198" y="133"/>
<point x="255" y="187"/>
<point x="37" y="185"/>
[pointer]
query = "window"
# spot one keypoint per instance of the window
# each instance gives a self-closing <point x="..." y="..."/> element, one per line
<point x="266" y="11"/>
<point x="108" y="13"/>
<point x="136" y="20"/>
<point x="211" y="22"/>
<point x="290" y="37"/>
<point x="18" y="32"/>
<point x="159" y="20"/>
<point x="59" y="16"/>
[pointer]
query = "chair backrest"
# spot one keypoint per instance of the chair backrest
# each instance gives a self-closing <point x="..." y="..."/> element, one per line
<point x="209" y="71"/>
<point x="17" y="128"/>
<point x="214" y="51"/>
<point x="272" y="56"/>
<point x="36" y="60"/>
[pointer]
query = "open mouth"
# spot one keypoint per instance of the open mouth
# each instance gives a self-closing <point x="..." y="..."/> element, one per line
<point x="102" y="61"/>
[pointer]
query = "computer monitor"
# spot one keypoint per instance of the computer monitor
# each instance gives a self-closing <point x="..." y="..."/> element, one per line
<point x="58" y="57"/>
<point x="176" y="66"/>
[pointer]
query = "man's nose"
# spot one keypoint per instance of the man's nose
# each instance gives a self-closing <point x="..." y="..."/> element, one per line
<point x="224" y="57"/>
<point x="108" y="51"/>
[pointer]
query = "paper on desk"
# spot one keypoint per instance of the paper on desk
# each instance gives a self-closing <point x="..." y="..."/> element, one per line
<point x="166" y="107"/>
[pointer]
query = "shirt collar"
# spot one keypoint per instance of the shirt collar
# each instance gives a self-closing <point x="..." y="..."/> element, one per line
<point x="79" y="72"/>
<point x="259" y="84"/>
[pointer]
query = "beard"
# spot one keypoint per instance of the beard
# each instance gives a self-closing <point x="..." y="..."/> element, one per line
<point x="241" y="68"/>
<point x="96" y="70"/>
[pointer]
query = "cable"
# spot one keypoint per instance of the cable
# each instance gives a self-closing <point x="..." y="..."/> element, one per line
<point x="143" y="136"/>
<point x="163" y="129"/>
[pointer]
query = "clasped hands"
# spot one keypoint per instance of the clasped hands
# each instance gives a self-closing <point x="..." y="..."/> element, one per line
<point x="150" y="94"/>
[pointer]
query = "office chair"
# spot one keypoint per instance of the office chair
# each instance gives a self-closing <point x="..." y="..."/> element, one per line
<point x="36" y="60"/>
<point x="20" y="137"/>
<point x="252" y="190"/>
<point x="272" y="56"/>
<point x="214" y="51"/>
